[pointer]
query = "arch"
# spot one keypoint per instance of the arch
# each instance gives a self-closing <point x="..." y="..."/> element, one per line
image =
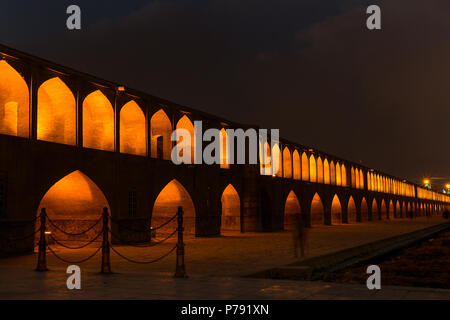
<point x="336" y="211"/>
<point x="312" y="169"/>
<point x="369" y="181"/>
<point x="398" y="210"/>
<point x="319" y="170"/>
<point x="224" y="153"/>
<point x="305" y="167"/>
<point x="296" y="165"/>
<point x="160" y="132"/>
<point x="277" y="161"/>
<point x="265" y="159"/>
<point x="98" y="122"/>
<point x="374" y="211"/>
<point x="317" y="211"/>
<point x="364" y="210"/>
<point x="353" y="177"/>
<point x="357" y="178"/>
<point x="338" y="174"/>
<point x="166" y="206"/>
<point x="14" y="102"/>
<point x="132" y="130"/>
<point x="287" y="163"/>
<point x="361" y="179"/>
<point x="326" y="172"/>
<point x="292" y="211"/>
<point x="383" y="210"/>
<point x="186" y="124"/>
<point x="344" y="175"/>
<point x="409" y="210"/>
<point x="332" y="173"/>
<point x="74" y="203"/>
<point x="391" y="211"/>
<point x="231" y="210"/>
<point x="56" y="113"/>
<point x="351" y="211"/>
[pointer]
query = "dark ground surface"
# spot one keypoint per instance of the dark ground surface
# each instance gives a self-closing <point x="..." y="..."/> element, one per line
<point x="426" y="264"/>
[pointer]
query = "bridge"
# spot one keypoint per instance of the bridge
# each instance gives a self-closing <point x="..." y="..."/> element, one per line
<point x="74" y="143"/>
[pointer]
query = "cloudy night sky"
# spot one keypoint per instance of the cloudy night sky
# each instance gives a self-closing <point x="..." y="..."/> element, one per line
<point x="308" y="67"/>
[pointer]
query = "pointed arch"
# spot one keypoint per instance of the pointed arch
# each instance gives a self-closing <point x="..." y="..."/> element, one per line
<point x="305" y="167"/>
<point x="160" y="131"/>
<point x="277" y="161"/>
<point x="14" y="102"/>
<point x="186" y="124"/>
<point x="391" y="210"/>
<point x="375" y="212"/>
<point x="224" y="152"/>
<point x="287" y="163"/>
<point x="312" y="169"/>
<point x="364" y="210"/>
<point x="231" y="210"/>
<point x="326" y="172"/>
<point x="265" y="159"/>
<point x="98" y="122"/>
<point x="317" y="211"/>
<point x="398" y="213"/>
<point x="56" y="113"/>
<point x="319" y="170"/>
<point x="353" y="177"/>
<point x="296" y="165"/>
<point x="132" y="130"/>
<point x="344" y="175"/>
<point x="166" y="206"/>
<point x="383" y="210"/>
<point x="74" y="203"/>
<point x="351" y="211"/>
<point x="338" y="174"/>
<point x="336" y="211"/>
<point x="332" y="173"/>
<point x="292" y="211"/>
<point x="361" y="179"/>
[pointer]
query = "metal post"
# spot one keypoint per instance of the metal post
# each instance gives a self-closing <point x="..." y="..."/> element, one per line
<point x="106" y="264"/>
<point x="42" y="254"/>
<point x="180" y="271"/>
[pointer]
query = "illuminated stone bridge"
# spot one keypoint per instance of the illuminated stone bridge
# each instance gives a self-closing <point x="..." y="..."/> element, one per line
<point x="74" y="143"/>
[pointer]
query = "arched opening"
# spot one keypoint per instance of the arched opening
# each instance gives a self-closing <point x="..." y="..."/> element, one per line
<point x="398" y="213"/>
<point x="317" y="211"/>
<point x="231" y="210"/>
<point x="351" y="211"/>
<point x="409" y="210"/>
<point x="266" y="211"/>
<point x="56" y="113"/>
<point x="74" y="204"/>
<point x="186" y="124"/>
<point x="265" y="159"/>
<point x="132" y="130"/>
<point x="338" y="175"/>
<point x="287" y="163"/>
<point x="344" y="175"/>
<point x="98" y="122"/>
<point x="336" y="211"/>
<point x="224" y="152"/>
<point x="391" y="211"/>
<point x="292" y="211"/>
<point x="312" y="169"/>
<point x="166" y="206"/>
<point x="305" y="167"/>
<point x="277" y="169"/>
<point x="296" y="165"/>
<point x="160" y="130"/>
<point x="332" y="173"/>
<point x="14" y="102"/>
<point x="319" y="170"/>
<point x="326" y="172"/>
<point x="374" y="211"/>
<point x="364" y="210"/>
<point x="357" y="178"/>
<point x="352" y="173"/>
<point x="361" y="179"/>
<point x="383" y="210"/>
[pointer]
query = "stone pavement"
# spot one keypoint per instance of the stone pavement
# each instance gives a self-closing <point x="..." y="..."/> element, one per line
<point x="215" y="266"/>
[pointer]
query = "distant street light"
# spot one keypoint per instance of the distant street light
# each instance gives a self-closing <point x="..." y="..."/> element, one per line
<point x="427" y="184"/>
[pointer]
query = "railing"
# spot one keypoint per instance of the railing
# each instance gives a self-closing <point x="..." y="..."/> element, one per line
<point x="106" y="247"/>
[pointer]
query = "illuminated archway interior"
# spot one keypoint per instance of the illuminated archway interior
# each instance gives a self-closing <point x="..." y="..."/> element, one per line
<point x="336" y="211"/>
<point x="231" y="210"/>
<point x="305" y="167"/>
<point x="364" y="210"/>
<point x="375" y="213"/>
<point x="296" y="165"/>
<point x="224" y="152"/>
<point x="14" y="102"/>
<point x="351" y="211"/>
<point x="287" y="163"/>
<point x="186" y="124"/>
<point x="132" y="130"/>
<point x="161" y="130"/>
<point x="292" y="211"/>
<point x="383" y="210"/>
<point x="312" y="169"/>
<point x="317" y="211"/>
<point x="166" y="206"/>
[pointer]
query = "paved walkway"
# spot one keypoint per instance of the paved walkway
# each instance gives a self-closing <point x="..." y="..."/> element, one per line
<point x="214" y="265"/>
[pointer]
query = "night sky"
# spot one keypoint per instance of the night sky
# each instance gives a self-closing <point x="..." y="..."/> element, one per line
<point x="308" y="67"/>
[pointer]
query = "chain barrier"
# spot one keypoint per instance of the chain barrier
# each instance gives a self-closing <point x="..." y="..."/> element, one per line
<point x="151" y="244"/>
<point x="73" y="262"/>
<point x="152" y="228"/>
<point x="143" y="262"/>
<point x="74" y="234"/>
<point x="76" y="248"/>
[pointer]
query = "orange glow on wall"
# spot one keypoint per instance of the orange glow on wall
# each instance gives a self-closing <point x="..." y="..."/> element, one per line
<point x="292" y="211"/>
<point x="132" y="130"/>
<point x="361" y="179"/>
<point x="312" y="169"/>
<point x="277" y="161"/>
<point x="398" y="209"/>
<point x="336" y="211"/>
<point x="14" y="102"/>
<point x="353" y="177"/>
<point x="231" y="210"/>
<point x="296" y="165"/>
<point x="375" y="214"/>
<point x="364" y="210"/>
<point x="98" y="122"/>
<point x="319" y="170"/>
<point x="326" y="172"/>
<point x="161" y="130"/>
<point x="305" y="167"/>
<point x="186" y="123"/>
<point x="287" y="163"/>
<point x="224" y="152"/>
<point x="166" y="206"/>
<point x="265" y="159"/>
<point x="56" y="113"/>
<point x="383" y="210"/>
<point x="332" y="173"/>
<point x="391" y="212"/>
<point x="338" y="175"/>
<point x="351" y="210"/>
<point x="317" y="211"/>
<point x="344" y="175"/>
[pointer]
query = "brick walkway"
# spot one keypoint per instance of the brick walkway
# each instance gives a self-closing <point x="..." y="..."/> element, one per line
<point x="214" y="266"/>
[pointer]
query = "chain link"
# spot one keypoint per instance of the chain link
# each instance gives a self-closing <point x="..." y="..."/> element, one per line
<point x="143" y="245"/>
<point x="143" y="262"/>
<point x="74" y="234"/>
<point x="73" y="262"/>
<point x="80" y="247"/>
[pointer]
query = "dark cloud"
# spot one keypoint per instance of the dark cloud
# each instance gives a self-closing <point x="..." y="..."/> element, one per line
<point x="310" y="68"/>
